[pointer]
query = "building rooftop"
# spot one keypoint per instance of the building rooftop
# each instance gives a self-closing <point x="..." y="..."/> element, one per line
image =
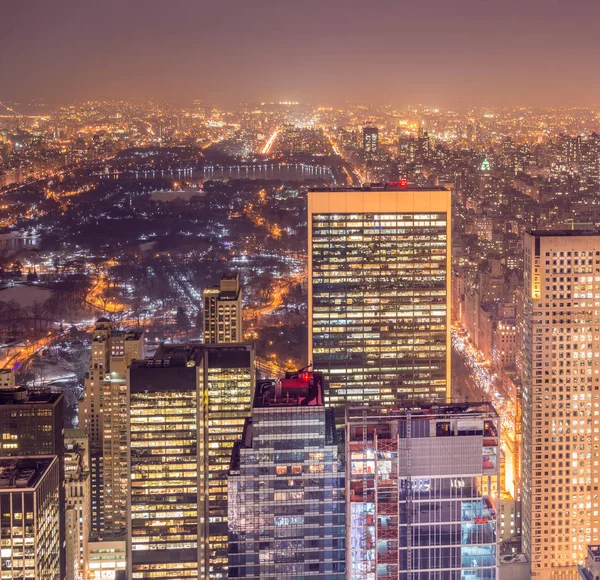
<point x="173" y="355"/>
<point x="23" y="472"/>
<point x="23" y="396"/>
<point x="226" y="354"/>
<point x="128" y="334"/>
<point x="299" y="389"/>
<point x="75" y="433"/>
<point x="179" y="359"/>
<point x="423" y="410"/>
<point x="392" y="186"/>
<point x="594" y="549"/>
<point x="228" y="288"/>
<point x="562" y="233"/>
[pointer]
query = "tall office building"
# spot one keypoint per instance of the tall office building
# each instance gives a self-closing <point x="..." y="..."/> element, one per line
<point x="31" y="424"/>
<point x="420" y="492"/>
<point x="78" y="506"/>
<point x="408" y="150"/>
<point x="205" y="392"/>
<point x="223" y="311"/>
<point x="164" y="523"/>
<point x="30" y="535"/>
<point x="286" y="500"/>
<point x="370" y="141"/>
<point x="102" y="413"/>
<point x="379" y="293"/>
<point x="423" y="146"/>
<point x="560" y="430"/>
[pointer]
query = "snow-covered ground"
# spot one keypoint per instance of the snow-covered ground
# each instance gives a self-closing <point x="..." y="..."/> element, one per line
<point x="25" y="296"/>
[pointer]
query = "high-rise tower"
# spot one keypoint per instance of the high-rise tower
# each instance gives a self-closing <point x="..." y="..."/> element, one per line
<point x="561" y="384"/>
<point x="379" y="293"/>
<point x="370" y="141"/>
<point x="421" y="489"/>
<point x="187" y="409"/>
<point x="78" y="508"/>
<point x="286" y="506"/>
<point x="30" y="522"/>
<point x="31" y="424"/>
<point x="102" y="413"/>
<point x="223" y="311"/>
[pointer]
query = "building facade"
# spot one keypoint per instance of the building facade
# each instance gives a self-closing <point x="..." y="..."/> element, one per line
<point x="286" y="500"/>
<point x="561" y="435"/>
<point x="223" y="311"/>
<point x="107" y="559"/>
<point x="78" y="503"/>
<point x="203" y="394"/>
<point x="379" y="293"/>
<point x="7" y="379"/>
<point x="370" y="141"/>
<point x="419" y="492"/>
<point x="31" y="424"/>
<point x="30" y="535"/>
<point x="164" y="523"/>
<point x="102" y="413"/>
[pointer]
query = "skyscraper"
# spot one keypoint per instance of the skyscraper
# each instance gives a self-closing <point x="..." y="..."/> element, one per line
<point x="223" y="311"/>
<point x="211" y="386"/>
<point x="379" y="293"/>
<point x="561" y="435"/>
<point x="102" y="413"/>
<point x="423" y="147"/>
<point x="421" y="486"/>
<point x="286" y="506"/>
<point x="30" y="521"/>
<point x="31" y="424"/>
<point x="165" y="522"/>
<point x="408" y="148"/>
<point x="370" y="141"/>
<point x="78" y="506"/>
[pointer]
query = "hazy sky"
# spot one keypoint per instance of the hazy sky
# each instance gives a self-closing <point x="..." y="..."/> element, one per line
<point x="439" y="52"/>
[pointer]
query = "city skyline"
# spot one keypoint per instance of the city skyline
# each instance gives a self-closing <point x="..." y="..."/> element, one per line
<point x="281" y="338"/>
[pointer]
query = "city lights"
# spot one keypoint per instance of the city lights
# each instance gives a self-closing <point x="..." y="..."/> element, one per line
<point x="216" y="292"/>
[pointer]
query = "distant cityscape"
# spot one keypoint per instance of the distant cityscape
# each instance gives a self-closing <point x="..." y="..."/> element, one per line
<point x="284" y="340"/>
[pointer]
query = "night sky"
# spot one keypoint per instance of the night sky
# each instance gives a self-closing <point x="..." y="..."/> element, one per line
<point x="447" y="53"/>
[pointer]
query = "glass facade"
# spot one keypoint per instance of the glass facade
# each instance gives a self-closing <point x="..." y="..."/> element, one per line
<point x="417" y="484"/>
<point x="164" y="470"/>
<point x="229" y="397"/>
<point x="29" y="518"/>
<point x="187" y="409"/>
<point x="286" y="496"/>
<point x="379" y="298"/>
